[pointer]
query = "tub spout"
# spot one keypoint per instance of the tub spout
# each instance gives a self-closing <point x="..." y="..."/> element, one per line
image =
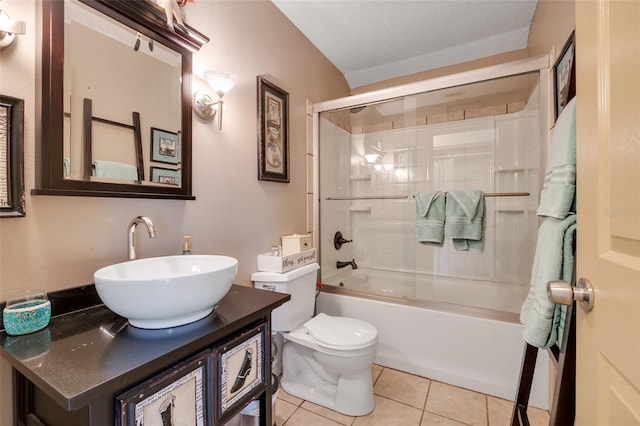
<point x="353" y="264"/>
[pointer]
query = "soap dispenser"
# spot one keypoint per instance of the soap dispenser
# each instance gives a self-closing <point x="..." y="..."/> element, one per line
<point x="186" y="245"/>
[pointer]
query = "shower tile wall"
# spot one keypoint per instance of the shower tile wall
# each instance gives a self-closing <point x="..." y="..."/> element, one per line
<point x="334" y="216"/>
<point x="492" y="153"/>
<point x="489" y="153"/>
<point x="462" y="159"/>
<point x="516" y="169"/>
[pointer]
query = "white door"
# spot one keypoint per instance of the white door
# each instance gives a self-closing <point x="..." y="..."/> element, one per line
<point x="608" y="253"/>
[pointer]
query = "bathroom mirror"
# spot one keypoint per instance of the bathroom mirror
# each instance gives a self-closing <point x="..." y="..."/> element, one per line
<point x="116" y="100"/>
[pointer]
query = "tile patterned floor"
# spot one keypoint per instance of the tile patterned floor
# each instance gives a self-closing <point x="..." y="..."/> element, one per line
<point x="403" y="399"/>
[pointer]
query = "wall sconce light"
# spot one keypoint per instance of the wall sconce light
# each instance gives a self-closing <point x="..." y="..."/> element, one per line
<point x="204" y="105"/>
<point x="374" y="155"/>
<point x="387" y="167"/>
<point x="371" y="158"/>
<point x="8" y="29"/>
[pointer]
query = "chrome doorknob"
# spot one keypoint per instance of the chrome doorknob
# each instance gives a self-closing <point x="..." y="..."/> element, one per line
<point x="564" y="293"/>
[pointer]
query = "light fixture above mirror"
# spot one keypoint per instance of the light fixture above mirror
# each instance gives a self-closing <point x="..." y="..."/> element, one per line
<point x="204" y="104"/>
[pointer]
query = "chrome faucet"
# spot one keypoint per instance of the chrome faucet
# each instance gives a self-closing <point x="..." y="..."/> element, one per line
<point x="340" y="264"/>
<point x="131" y="247"/>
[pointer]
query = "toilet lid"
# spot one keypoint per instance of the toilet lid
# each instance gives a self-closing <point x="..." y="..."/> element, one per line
<point x="340" y="332"/>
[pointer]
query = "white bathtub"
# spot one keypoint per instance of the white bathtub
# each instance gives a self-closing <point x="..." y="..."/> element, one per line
<point x="459" y="346"/>
<point x="496" y="296"/>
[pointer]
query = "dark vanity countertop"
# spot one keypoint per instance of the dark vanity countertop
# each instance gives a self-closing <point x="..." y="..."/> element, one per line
<point x="74" y="360"/>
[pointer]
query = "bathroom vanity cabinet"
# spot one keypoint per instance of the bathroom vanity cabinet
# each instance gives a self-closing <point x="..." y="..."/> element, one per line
<point x="86" y="368"/>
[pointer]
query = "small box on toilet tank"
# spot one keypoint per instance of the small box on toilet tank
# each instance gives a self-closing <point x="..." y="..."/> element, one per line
<point x="295" y="243"/>
<point x="267" y="262"/>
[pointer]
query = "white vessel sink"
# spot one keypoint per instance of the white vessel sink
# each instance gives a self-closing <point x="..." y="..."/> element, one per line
<point x="163" y="292"/>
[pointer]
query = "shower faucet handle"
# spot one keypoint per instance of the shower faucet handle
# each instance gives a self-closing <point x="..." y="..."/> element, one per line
<point x="339" y="240"/>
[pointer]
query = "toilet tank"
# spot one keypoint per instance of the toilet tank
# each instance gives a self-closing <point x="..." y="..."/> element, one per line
<point x="300" y="283"/>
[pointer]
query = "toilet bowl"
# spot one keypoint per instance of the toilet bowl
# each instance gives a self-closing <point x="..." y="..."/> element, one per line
<point x="325" y="359"/>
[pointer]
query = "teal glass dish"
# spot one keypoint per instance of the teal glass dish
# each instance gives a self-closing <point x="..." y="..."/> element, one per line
<point x="26" y="313"/>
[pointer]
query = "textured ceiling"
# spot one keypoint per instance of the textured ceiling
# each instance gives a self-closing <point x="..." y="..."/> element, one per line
<point x="375" y="40"/>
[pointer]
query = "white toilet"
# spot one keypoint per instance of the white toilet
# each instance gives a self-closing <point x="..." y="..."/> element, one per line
<point x="326" y="360"/>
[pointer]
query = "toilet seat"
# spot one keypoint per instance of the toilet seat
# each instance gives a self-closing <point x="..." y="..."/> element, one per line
<point x="338" y="333"/>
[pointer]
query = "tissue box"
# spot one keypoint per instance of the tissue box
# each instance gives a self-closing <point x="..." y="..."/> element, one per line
<point x="295" y="244"/>
<point x="269" y="263"/>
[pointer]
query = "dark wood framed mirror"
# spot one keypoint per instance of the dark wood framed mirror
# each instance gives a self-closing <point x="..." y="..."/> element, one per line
<point x="105" y="152"/>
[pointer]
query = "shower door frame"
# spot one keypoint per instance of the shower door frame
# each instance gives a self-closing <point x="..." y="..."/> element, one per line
<point x="538" y="64"/>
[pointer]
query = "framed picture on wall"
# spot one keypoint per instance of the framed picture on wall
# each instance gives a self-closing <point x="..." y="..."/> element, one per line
<point x="12" y="198"/>
<point x="166" y="176"/>
<point x="241" y="372"/>
<point x="178" y="397"/>
<point x="273" y="132"/>
<point x="565" y="76"/>
<point x="165" y="146"/>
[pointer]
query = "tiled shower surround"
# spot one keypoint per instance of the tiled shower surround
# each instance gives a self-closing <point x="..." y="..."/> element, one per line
<point x="493" y="153"/>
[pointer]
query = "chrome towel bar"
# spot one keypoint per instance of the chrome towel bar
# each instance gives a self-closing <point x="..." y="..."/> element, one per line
<point x="402" y="197"/>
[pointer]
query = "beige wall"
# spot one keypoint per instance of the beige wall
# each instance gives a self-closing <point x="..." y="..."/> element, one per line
<point x="552" y="24"/>
<point x="448" y="70"/>
<point x="63" y="240"/>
